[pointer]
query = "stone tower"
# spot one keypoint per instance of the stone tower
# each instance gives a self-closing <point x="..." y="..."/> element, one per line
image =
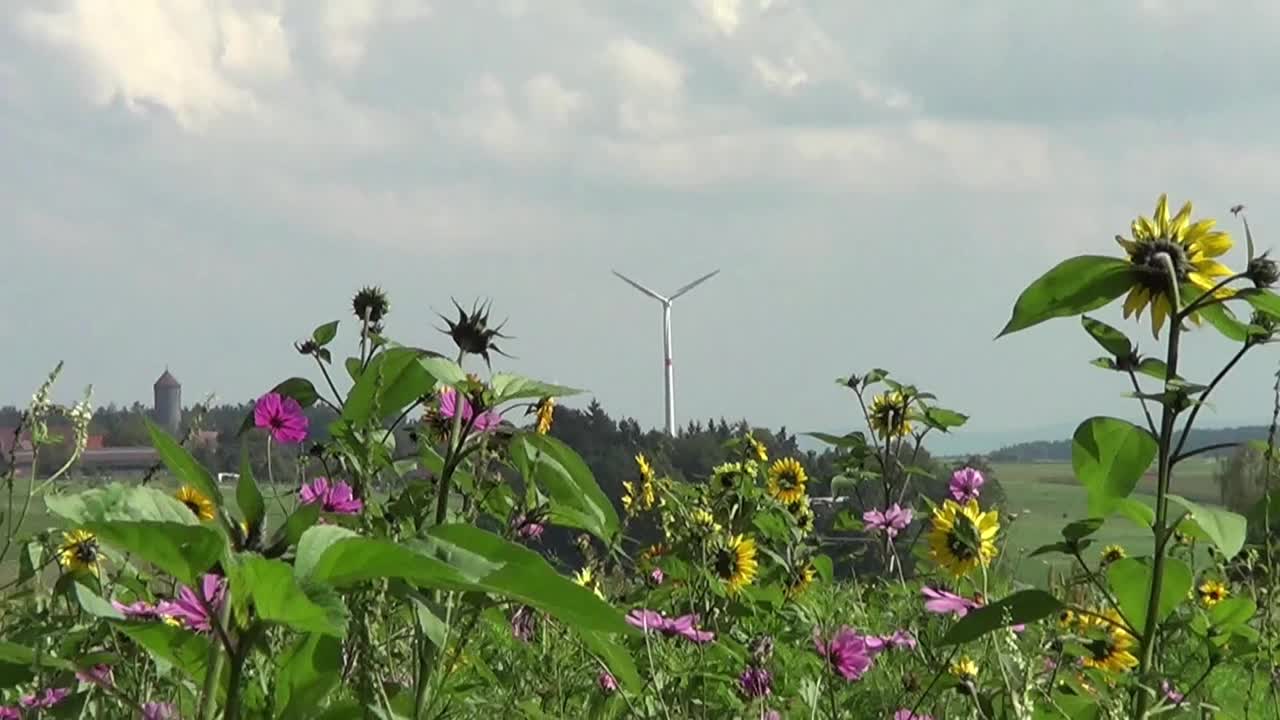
<point x="168" y="405"/>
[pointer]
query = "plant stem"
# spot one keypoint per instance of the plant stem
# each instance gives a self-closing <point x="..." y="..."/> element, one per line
<point x="1168" y="415"/>
<point x="209" y="693"/>
<point x="238" y="659"/>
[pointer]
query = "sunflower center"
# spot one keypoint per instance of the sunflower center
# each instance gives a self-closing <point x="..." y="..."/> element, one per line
<point x="962" y="541"/>
<point x="192" y="505"/>
<point x="86" y="551"/>
<point x="726" y="563"/>
<point x="1149" y="258"/>
<point x="1100" y="649"/>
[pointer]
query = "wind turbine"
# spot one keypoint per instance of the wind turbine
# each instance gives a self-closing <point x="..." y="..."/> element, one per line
<point x="666" y="337"/>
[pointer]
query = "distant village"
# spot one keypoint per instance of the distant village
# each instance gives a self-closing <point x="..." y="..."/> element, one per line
<point x="101" y="458"/>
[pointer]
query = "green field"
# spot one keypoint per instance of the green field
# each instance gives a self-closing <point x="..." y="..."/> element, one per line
<point x="1046" y="496"/>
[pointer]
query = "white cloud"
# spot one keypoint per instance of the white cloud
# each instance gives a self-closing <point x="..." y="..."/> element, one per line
<point x="780" y="79"/>
<point x="651" y="85"/>
<point x="349" y="23"/>
<point x="726" y="15"/>
<point x="550" y="102"/>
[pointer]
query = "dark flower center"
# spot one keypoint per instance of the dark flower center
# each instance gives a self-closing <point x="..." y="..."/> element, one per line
<point x="192" y="505"/>
<point x="787" y="480"/>
<point x="726" y="563"/>
<point x="962" y="541"/>
<point x="86" y="551"/>
<point x="1100" y="650"/>
<point x="1148" y="259"/>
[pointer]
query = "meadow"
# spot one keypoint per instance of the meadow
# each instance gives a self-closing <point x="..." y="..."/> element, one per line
<point x="442" y="598"/>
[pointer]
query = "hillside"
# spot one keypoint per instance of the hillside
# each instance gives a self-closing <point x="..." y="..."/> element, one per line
<point x="1060" y="450"/>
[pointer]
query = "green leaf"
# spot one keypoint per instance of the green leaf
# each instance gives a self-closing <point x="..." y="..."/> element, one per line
<point x="944" y="419"/>
<point x="1130" y="582"/>
<point x="615" y="657"/>
<point x="310" y="670"/>
<point x="313" y="543"/>
<point x="183" y="551"/>
<point x="1225" y="529"/>
<point x="1152" y="367"/>
<point x="1081" y="529"/>
<point x="350" y="561"/>
<point x="182" y="465"/>
<point x="1072" y="287"/>
<point x="576" y="498"/>
<point x="1137" y="512"/>
<point x="302" y="518"/>
<point x="444" y="370"/>
<point x="248" y="495"/>
<point x="1109" y="456"/>
<point x="324" y="334"/>
<point x="1218" y="315"/>
<point x="1263" y="301"/>
<point x="852" y="440"/>
<point x="181" y="648"/>
<point x="508" y="387"/>
<point x="1024" y="606"/>
<point x="1111" y="339"/>
<point x="1105" y="363"/>
<point x="393" y="380"/>
<point x="1059" y="547"/>
<point x="279" y="597"/>
<point x="500" y="566"/>
<point x="1233" y="612"/>
<point x="354" y="371"/>
<point x="92" y="603"/>
<point x="120" y="502"/>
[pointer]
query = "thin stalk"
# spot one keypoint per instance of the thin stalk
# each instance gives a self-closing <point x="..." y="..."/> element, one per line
<point x="1186" y="429"/>
<point x="217" y="658"/>
<point x="237" y="670"/>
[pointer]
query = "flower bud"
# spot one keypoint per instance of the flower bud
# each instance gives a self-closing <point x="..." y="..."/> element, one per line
<point x="1263" y="271"/>
<point x="371" y="304"/>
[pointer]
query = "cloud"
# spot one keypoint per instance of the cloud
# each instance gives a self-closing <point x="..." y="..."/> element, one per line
<point x="651" y="85"/>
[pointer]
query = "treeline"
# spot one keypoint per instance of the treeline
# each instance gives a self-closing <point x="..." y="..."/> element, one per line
<point x="1060" y="450"/>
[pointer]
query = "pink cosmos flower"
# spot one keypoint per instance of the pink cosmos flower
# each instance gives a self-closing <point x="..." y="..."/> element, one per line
<point x="656" y="576"/>
<point x="755" y="682"/>
<point x="448" y="406"/>
<point x="190" y="610"/>
<point x="282" y="417"/>
<point x="607" y="682"/>
<point x="905" y="714"/>
<point x="773" y="715"/>
<point x="942" y="602"/>
<point x="51" y="697"/>
<point x="847" y="653"/>
<point x="527" y="527"/>
<point x="893" y="520"/>
<point x="899" y="640"/>
<point x="159" y="711"/>
<point x="334" y="497"/>
<point x="8" y="712"/>
<point x="1170" y="694"/>
<point x="684" y="626"/>
<point x="139" y="610"/>
<point x="646" y="619"/>
<point x="965" y="484"/>
<point x="97" y="675"/>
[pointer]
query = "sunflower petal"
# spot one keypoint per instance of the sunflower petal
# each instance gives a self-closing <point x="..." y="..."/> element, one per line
<point x="1135" y="302"/>
<point x="1178" y="226"/>
<point x="1159" y="311"/>
<point x="1161" y="217"/>
<point x="1142" y="229"/>
<point x="1212" y="244"/>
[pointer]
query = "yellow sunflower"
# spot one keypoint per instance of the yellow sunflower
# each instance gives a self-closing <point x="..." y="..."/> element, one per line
<point x="1112" y="553"/>
<point x="1190" y="247"/>
<point x="726" y="476"/>
<point x="962" y="537"/>
<point x="786" y="480"/>
<point x="646" y="470"/>
<point x="801" y="513"/>
<point x="801" y="579"/>
<point x="889" y="415"/>
<point x="1066" y="619"/>
<point x="633" y="500"/>
<point x="1212" y="592"/>
<point x="196" y="502"/>
<point x="965" y="668"/>
<point x="757" y="449"/>
<point x="734" y="562"/>
<point x="1111" y="652"/>
<point x="704" y="523"/>
<point x="80" y="552"/>
<point x="586" y="577"/>
<point x="545" y="413"/>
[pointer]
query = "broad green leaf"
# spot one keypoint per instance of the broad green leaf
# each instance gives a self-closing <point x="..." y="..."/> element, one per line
<point x="1111" y="339"/>
<point x="576" y="498"/>
<point x="852" y="440"/>
<point x="1105" y="363"/>
<point x="309" y="671"/>
<point x="324" y="334"/>
<point x="393" y="380"/>
<point x="944" y="419"/>
<point x="313" y="543"/>
<point x="524" y="575"/>
<point x="1233" y="612"/>
<point x="92" y="603"/>
<point x="354" y="370"/>
<point x="1137" y="512"/>
<point x="1218" y="315"/>
<point x="302" y="518"/>
<point x="185" y="650"/>
<point x="1024" y="606"/>
<point x="444" y="370"/>
<point x="1072" y="287"/>
<point x="182" y="465"/>
<point x="508" y="387"/>
<point x="615" y="657"/>
<point x="1059" y="547"/>
<point x="183" y="551"/>
<point x="1081" y="529"/>
<point x="1109" y="456"/>
<point x="248" y="495"/>
<point x="1152" y="367"/>
<point x="120" y="502"/>
<point x="354" y="560"/>
<point x="1225" y="529"/>
<point x="1263" y="301"/>
<point x="279" y="597"/>
<point x="1130" y="583"/>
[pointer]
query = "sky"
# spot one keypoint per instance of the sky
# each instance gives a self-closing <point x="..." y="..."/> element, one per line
<point x="198" y="183"/>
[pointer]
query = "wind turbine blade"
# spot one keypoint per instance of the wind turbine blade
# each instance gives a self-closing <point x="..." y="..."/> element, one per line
<point x="694" y="284"/>
<point x="641" y="288"/>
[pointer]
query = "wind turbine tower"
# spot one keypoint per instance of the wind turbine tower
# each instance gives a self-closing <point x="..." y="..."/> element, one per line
<point x="666" y="337"/>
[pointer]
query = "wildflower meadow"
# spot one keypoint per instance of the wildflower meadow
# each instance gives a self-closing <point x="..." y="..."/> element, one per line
<point x="398" y="583"/>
